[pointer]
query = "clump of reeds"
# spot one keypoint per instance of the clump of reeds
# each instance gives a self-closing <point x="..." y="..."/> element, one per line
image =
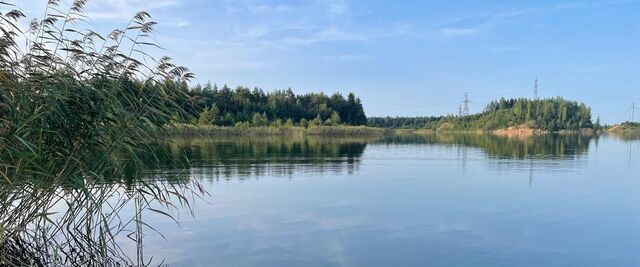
<point x="77" y="109"/>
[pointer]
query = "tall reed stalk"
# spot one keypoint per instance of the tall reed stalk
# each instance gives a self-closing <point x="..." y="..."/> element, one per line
<point x="77" y="111"/>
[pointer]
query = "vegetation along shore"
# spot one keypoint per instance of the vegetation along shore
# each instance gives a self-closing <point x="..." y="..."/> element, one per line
<point x="281" y="112"/>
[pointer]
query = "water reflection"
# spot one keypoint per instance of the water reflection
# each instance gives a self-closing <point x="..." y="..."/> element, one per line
<point x="539" y="146"/>
<point x="84" y="222"/>
<point x="87" y="227"/>
<point x="251" y="158"/>
<point x="215" y="159"/>
<point x="462" y="200"/>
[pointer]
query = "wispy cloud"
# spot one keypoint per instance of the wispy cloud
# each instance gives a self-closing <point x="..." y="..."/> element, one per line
<point x="124" y="9"/>
<point x="328" y="35"/>
<point x="177" y="23"/>
<point x="212" y="56"/>
<point x="337" y="7"/>
<point x="346" y="58"/>
<point x="263" y="8"/>
<point x="181" y="24"/>
<point x="478" y="23"/>
<point x="593" y="4"/>
<point x="235" y="66"/>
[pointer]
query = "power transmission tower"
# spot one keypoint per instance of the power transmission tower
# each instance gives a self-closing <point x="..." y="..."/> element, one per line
<point x="460" y="110"/>
<point x="535" y="89"/>
<point x="633" y="111"/>
<point x="465" y="111"/>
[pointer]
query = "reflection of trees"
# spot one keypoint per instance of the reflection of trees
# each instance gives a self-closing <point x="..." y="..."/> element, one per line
<point x="83" y="223"/>
<point x="244" y="157"/>
<point x="91" y="217"/>
<point x="539" y="146"/>
<point x="626" y="135"/>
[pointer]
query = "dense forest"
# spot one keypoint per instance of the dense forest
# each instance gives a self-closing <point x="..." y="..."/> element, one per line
<point x="403" y="122"/>
<point x="547" y="114"/>
<point x="227" y="107"/>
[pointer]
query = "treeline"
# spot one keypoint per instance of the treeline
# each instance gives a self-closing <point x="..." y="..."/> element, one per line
<point x="631" y="124"/>
<point x="547" y="114"/>
<point x="228" y="107"/>
<point x="403" y="122"/>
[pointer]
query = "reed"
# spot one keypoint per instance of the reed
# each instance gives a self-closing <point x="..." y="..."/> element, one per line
<point x="78" y="109"/>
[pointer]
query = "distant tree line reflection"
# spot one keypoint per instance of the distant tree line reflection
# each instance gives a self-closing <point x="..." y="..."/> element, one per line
<point x="252" y="157"/>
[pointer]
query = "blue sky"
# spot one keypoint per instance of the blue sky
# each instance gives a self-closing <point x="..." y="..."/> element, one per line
<point x="404" y="57"/>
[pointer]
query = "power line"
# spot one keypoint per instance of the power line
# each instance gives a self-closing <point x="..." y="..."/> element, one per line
<point x="535" y="89"/>
<point x="466" y="101"/>
<point x="633" y="111"/>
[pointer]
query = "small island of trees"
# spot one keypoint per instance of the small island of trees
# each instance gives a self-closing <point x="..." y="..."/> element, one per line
<point x="553" y="114"/>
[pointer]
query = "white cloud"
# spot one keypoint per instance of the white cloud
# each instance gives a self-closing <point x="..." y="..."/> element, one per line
<point x="181" y="24"/>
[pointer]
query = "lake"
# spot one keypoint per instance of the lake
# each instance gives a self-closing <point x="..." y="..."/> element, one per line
<point x="433" y="200"/>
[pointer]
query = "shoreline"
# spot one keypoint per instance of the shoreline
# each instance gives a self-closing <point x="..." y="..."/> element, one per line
<point x="230" y="131"/>
<point x="186" y="130"/>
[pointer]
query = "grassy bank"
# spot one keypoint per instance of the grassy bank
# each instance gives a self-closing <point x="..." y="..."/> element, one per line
<point x="189" y="131"/>
<point x="507" y="132"/>
<point x="628" y="127"/>
<point x="186" y="130"/>
<point x="625" y="130"/>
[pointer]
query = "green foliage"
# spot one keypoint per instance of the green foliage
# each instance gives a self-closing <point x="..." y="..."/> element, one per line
<point x="304" y="123"/>
<point x="78" y="110"/>
<point x="289" y="123"/>
<point x="227" y="120"/>
<point x="547" y="114"/>
<point x="317" y="121"/>
<point x="67" y="109"/>
<point x="243" y="125"/>
<point x="277" y="123"/>
<point x="403" y="122"/>
<point x="259" y="119"/>
<point x="334" y="120"/>
<point x="245" y="129"/>
<point x="597" y="126"/>
<point x="629" y="124"/>
<point x="208" y="116"/>
<point x="241" y="103"/>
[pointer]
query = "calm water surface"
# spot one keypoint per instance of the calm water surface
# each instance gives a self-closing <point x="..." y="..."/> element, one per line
<point x="456" y="200"/>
